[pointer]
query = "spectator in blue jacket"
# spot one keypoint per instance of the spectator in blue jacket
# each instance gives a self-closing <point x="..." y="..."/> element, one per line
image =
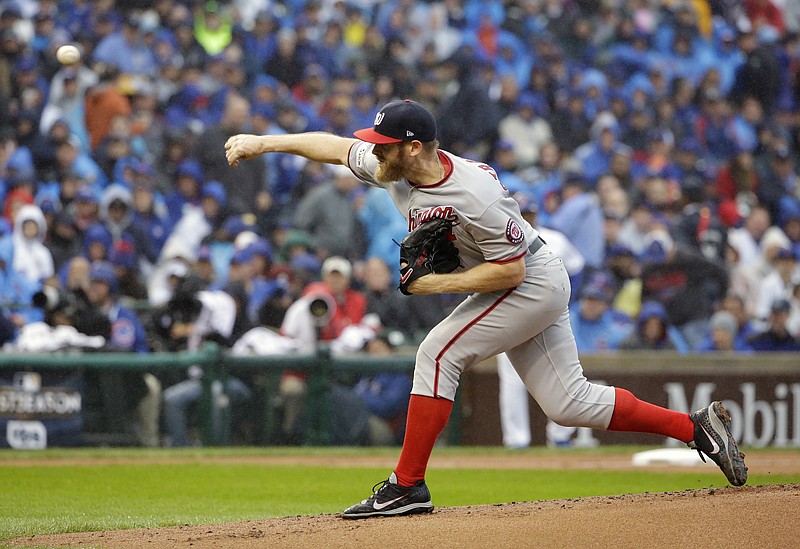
<point x="776" y="338"/>
<point x="653" y="332"/>
<point x="595" y="155"/>
<point x="580" y="218"/>
<point x="597" y="327"/>
<point x="124" y="393"/>
<point x="186" y="190"/>
<point x="386" y="396"/>
<point x="126" y="50"/>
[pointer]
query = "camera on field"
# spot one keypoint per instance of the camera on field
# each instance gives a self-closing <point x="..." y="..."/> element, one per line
<point x="51" y="300"/>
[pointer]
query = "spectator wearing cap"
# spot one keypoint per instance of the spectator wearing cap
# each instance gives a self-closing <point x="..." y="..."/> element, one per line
<point x="86" y="205"/>
<point x="97" y="242"/>
<point x="328" y="214"/>
<point x="545" y="177"/>
<point x="71" y="157"/>
<point x="131" y="400"/>
<point x="789" y="219"/>
<point x="187" y="183"/>
<point x="126" y="50"/>
<point x="506" y="164"/>
<point x="526" y="130"/>
<point x="720" y="336"/>
<point x="777" y="179"/>
<point x="63" y="239"/>
<point x="713" y="127"/>
<point x="746" y="278"/>
<point x="28" y="77"/>
<point x="150" y="216"/>
<point x="123" y="259"/>
<point x="596" y="326"/>
<point x="580" y="219"/>
<point x="198" y="222"/>
<point x="259" y="42"/>
<point x="595" y="155"/>
<point x="237" y="270"/>
<point x="246" y="185"/>
<point x="641" y="220"/>
<point x="624" y="270"/>
<point x="636" y="133"/>
<point x="687" y="284"/>
<point x="263" y="283"/>
<point x="127" y="332"/>
<point x="345" y="307"/>
<point x="779" y="283"/>
<point x="776" y="338"/>
<point x="652" y="332"/>
<point x="203" y="266"/>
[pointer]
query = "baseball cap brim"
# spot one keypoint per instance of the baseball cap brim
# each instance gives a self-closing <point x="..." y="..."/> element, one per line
<point x="371" y="136"/>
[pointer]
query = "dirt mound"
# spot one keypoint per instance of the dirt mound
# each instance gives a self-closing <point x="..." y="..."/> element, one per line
<point x="752" y="516"/>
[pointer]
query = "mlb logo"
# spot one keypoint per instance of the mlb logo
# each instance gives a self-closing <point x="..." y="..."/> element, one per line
<point x="27" y="382"/>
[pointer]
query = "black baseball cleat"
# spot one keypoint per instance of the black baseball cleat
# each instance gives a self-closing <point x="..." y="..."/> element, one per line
<point x="712" y="437"/>
<point x="390" y="499"/>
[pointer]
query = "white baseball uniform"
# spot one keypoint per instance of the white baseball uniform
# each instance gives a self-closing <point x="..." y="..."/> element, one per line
<point x="530" y="322"/>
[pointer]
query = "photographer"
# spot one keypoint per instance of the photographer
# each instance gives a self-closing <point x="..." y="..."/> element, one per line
<point x="68" y="304"/>
<point x="191" y="316"/>
<point x="322" y="313"/>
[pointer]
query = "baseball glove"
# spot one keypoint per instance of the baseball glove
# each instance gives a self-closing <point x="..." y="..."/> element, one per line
<point x="427" y="249"/>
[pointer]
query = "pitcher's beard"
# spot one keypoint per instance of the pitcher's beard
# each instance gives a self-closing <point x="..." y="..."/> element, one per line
<point x="388" y="173"/>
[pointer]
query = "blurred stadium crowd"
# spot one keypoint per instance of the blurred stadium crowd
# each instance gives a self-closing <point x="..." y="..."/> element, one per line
<point x="659" y="138"/>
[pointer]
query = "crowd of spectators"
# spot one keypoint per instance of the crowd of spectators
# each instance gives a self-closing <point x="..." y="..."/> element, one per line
<point x="660" y="138"/>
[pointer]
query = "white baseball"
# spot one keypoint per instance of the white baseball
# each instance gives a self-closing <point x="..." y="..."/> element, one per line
<point x="68" y="54"/>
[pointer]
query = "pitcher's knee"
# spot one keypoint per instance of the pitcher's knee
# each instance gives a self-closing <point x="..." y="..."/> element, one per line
<point x="564" y="416"/>
<point x="572" y="412"/>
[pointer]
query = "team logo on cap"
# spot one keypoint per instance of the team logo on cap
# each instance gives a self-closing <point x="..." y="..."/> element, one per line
<point x="378" y="119"/>
<point x="514" y="232"/>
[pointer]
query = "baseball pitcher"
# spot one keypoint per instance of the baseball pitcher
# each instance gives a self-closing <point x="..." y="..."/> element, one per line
<point x="519" y="291"/>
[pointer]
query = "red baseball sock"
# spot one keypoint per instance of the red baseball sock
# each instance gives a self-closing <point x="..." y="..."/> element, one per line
<point x="427" y="416"/>
<point x="632" y="414"/>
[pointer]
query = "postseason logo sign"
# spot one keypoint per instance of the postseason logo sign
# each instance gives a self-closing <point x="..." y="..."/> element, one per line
<point x="26" y="407"/>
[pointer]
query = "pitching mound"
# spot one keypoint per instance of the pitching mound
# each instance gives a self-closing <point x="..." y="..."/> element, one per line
<point x="752" y="516"/>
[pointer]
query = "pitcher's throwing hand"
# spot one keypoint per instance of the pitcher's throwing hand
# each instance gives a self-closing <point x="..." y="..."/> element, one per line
<point x="242" y="147"/>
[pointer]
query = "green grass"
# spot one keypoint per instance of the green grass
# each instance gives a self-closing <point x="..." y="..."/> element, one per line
<point x="53" y="498"/>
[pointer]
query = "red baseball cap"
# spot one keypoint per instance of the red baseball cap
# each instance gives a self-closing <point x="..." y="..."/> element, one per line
<point x="399" y="121"/>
